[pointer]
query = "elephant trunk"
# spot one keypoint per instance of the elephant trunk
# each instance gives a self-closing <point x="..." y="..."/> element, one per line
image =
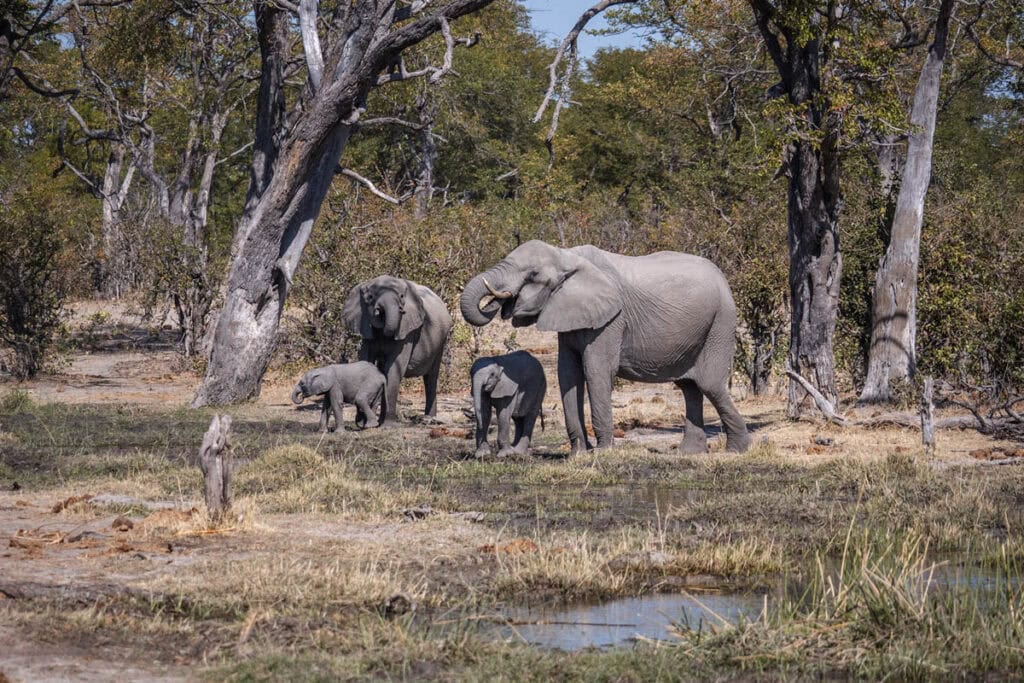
<point x="392" y="316"/>
<point x="478" y="395"/>
<point x="298" y="395"/>
<point x="481" y="298"/>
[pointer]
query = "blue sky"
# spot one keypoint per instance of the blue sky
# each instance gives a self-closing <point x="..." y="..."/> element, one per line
<point x="553" y="19"/>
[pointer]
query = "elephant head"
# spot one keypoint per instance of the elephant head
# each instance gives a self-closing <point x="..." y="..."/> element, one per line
<point x="314" y="383"/>
<point x="490" y="378"/>
<point x="556" y="289"/>
<point x="388" y="304"/>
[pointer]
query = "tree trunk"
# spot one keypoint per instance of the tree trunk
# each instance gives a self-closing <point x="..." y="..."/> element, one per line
<point x="292" y="170"/>
<point x="111" y="276"/>
<point x="814" y="204"/>
<point x="427" y="109"/>
<point x="815" y="266"/>
<point x="892" y="357"/>
<point x="260" y="276"/>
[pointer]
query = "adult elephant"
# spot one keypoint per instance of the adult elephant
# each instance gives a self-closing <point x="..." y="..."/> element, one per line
<point x="404" y="327"/>
<point x="665" y="317"/>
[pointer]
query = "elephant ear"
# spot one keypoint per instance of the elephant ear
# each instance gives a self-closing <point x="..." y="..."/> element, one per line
<point x="414" y="313"/>
<point x="504" y="387"/>
<point x="319" y="381"/>
<point x="586" y="299"/>
<point x="355" y="314"/>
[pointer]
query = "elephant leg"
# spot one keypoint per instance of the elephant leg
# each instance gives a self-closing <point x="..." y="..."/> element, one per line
<point x="377" y="407"/>
<point x="694" y="439"/>
<point x="570" y="382"/>
<point x="524" y="432"/>
<point x="337" y="405"/>
<point x="325" y="412"/>
<point x="364" y="410"/>
<point x="394" y="372"/>
<point x="430" y="388"/>
<point x="504" y="442"/>
<point x="599" y="388"/>
<point x="483" y="423"/>
<point x="737" y="439"/>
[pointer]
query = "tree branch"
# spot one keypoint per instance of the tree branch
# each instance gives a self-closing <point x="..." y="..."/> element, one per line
<point x="823" y="404"/>
<point x="308" y="10"/>
<point x="349" y="173"/>
<point x="390" y="120"/>
<point x="570" y="42"/>
<point x="41" y="90"/>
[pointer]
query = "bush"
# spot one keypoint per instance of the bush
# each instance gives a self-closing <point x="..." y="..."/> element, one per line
<point x="37" y="273"/>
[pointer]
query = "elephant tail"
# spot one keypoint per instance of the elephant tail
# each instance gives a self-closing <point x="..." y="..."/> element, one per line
<point x="543" y="427"/>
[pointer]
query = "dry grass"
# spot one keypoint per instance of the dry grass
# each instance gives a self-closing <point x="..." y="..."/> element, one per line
<point x="320" y="543"/>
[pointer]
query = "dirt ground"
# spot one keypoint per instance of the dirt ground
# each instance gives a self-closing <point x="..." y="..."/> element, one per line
<point x="87" y="568"/>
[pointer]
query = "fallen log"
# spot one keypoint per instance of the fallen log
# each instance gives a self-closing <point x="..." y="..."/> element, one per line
<point x="955" y="422"/>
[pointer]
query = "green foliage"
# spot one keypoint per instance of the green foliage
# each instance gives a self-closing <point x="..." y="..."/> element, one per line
<point x="38" y="270"/>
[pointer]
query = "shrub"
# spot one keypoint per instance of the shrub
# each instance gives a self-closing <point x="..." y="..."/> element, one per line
<point x="37" y="274"/>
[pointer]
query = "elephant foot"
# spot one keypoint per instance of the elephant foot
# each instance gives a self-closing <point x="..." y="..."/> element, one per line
<point x="694" y="445"/>
<point x="738" y="443"/>
<point x="390" y="423"/>
<point x="482" y="451"/>
<point x="506" y="452"/>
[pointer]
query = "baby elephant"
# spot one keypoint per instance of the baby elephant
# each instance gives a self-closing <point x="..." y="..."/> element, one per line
<point x="359" y="383"/>
<point x="514" y="384"/>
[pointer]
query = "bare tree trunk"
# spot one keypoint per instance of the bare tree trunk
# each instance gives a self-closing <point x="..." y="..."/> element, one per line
<point x="427" y="109"/>
<point x="892" y="357"/>
<point x="194" y="303"/>
<point x="114" y="191"/>
<point x="260" y="276"/>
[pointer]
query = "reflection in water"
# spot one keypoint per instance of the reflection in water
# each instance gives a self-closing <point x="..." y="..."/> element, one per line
<point x="619" y="621"/>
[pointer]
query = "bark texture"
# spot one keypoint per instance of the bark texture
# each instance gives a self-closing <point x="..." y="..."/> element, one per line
<point x="892" y="354"/>
<point x="811" y="164"/>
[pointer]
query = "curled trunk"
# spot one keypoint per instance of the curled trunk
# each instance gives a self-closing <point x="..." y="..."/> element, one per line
<point x="297" y="396"/>
<point x="475" y="291"/>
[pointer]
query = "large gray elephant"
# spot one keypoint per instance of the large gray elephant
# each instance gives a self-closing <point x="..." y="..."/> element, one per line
<point x="361" y="384"/>
<point x="665" y="317"/>
<point x="404" y="327"/>
<point x="514" y="386"/>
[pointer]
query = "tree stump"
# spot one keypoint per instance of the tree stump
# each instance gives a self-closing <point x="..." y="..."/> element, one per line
<point x="215" y="462"/>
<point x="928" y="418"/>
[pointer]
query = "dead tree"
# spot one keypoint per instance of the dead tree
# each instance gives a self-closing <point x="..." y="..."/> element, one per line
<point x="296" y="155"/>
<point x="892" y="355"/>
<point x="215" y="462"/>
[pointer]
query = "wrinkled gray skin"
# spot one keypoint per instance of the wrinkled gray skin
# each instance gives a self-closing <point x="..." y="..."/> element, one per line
<point x="404" y="327"/>
<point x="665" y="317"/>
<point x="514" y="385"/>
<point x="360" y="383"/>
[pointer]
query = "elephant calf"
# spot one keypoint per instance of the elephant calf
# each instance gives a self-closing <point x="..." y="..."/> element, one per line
<point x="359" y="383"/>
<point x="514" y="384"/>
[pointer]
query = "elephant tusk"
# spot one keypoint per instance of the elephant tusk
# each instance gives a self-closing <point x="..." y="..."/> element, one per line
<point x="496" y="294"/>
